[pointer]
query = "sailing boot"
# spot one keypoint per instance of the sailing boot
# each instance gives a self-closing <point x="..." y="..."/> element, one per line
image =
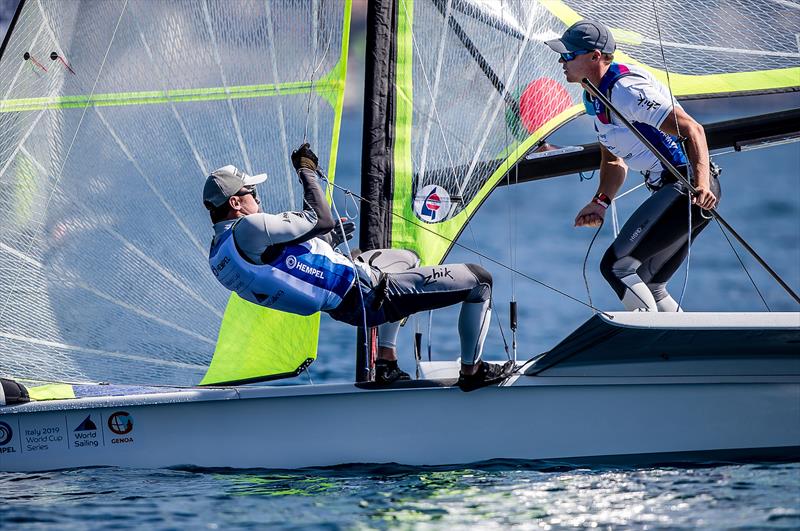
<point x="487" y="374"/>
<point x="387" y="372"/>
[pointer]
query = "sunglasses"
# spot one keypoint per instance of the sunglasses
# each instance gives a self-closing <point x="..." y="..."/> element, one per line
<point x="569" y="56"/>
<point x="249" y="191"/>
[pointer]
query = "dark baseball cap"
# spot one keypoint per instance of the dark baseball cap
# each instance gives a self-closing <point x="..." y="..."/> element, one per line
<point x="226" y="182"/>
<point x="585" y="35"/>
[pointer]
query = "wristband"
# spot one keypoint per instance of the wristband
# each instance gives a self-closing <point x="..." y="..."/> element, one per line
<point x="602" y="199"/>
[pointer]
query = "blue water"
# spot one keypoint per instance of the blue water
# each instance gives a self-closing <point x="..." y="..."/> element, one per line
<point x="722" y="497"/>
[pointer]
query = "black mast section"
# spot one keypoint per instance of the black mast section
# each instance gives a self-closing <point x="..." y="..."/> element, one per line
<point x="11" y="28"/>
<point x="377" y="152"/>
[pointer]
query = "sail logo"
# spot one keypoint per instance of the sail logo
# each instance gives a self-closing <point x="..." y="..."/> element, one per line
<point x="432" y="204"/>
<point x="291" y="261"/>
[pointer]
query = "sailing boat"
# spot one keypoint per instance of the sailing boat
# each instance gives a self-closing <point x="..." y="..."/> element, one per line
<point x="105" y="137"/>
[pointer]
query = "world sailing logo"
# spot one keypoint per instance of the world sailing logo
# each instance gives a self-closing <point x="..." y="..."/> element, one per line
<point x="432" y="204"/>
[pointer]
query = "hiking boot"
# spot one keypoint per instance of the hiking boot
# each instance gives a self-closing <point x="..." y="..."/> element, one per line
<point x="387" y="372"/>
<point x="487" y="374"/>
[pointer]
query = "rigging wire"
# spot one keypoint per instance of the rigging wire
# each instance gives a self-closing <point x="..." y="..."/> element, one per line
<point x="689" y="170"/>
<point x="742" y="264"/>
<point x="512" y="211"/>
<point x="316" y="68"/>
<point x="467" y="248"/>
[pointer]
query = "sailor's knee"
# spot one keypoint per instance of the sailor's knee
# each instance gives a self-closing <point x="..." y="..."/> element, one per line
<point x="607" y="265"/>
<point x="483" y="291"/>
<point x="483" y="276"/>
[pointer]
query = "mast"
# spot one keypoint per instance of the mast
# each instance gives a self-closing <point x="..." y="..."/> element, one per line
<point x="10" y="29"/>
<point x="377" y="151"/>
<point x="377" y="142"/>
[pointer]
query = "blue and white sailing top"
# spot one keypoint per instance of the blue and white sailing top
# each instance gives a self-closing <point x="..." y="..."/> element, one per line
<point x="303" y="278"/>
<point x="646" y="102"/>
<point x="283" y="261"/>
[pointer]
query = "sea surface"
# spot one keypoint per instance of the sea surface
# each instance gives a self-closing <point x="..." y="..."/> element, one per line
<point x="486" y="497"/>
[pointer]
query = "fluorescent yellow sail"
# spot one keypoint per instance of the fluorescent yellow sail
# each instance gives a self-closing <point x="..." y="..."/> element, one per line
<point x="469" y="72"/>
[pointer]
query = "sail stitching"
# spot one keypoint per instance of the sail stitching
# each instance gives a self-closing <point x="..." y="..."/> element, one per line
<point x="223" y="78"/>
<point x="499" y="104"/>
<point x="148" y="181"/>
<point x="430" y="93"/>
<point x="84" y="350"/>
<point x="281" y="118"/>
<point x="22" y="65"/>
<point x="184" y="130"/>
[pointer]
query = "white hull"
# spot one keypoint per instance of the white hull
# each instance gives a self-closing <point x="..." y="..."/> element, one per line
<point x="593" y="419"/>
<point x="614" y="390"/>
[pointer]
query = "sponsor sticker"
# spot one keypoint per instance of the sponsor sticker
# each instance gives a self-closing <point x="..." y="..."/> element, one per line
<point x="6" y="436"/>
<point x="291" y="261"/>
<point x="432" y="204"/>
<point x="43" y="433"/>
<point x="85" y="434"/>
<point x="6" y="433"/>
<point x="121" y="424"/>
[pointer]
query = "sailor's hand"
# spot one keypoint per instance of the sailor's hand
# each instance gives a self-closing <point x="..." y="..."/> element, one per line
<point x="303" y="157"/>
<point x="591" y="215"/>
<point x="704" y="197"/>
<point x="337" y="236"/>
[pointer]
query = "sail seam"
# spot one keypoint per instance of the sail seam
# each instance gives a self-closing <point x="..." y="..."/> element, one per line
<point x="84" y="350"/>
<point x="234" y="117"/>
<point x="150" y="184"/>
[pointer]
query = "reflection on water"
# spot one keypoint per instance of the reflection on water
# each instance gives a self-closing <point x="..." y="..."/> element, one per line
<point x="490" y="496"/>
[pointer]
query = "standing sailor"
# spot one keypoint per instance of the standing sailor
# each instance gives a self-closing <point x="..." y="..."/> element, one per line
<point x="655" y="240"/>
<point x="287" y="262"/>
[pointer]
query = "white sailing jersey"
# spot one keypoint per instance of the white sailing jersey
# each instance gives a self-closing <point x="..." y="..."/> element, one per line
<point x="646" y="102"/>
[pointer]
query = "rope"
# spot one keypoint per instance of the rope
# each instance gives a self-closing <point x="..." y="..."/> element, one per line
<point x="585" y="260"/>
<point x="469" y="249"/>
<point x="743" y="266"/>
<point x="689" y="169"/>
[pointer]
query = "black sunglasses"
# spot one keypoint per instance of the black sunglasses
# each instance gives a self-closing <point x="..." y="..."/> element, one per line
<point x="249" y="191"/>
<point x="569" y="56"/>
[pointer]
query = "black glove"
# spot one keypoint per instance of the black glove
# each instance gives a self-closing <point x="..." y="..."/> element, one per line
<point x="303" y="157"/>
<point x="336" y="234"/>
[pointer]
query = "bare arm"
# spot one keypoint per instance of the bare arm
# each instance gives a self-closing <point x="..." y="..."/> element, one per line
<point x="612" y="174"/>
<point x="696" y="150"/>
